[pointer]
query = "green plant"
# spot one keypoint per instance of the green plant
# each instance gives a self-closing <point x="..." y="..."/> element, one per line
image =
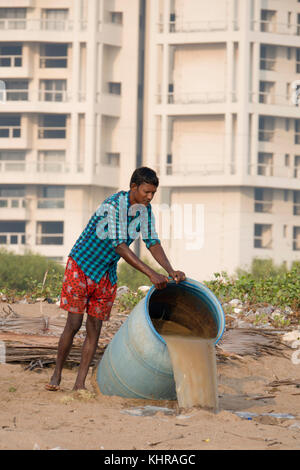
<point x="19" y="272"/>
<point x="268" y="284"/>
<point x="129" y="300"/>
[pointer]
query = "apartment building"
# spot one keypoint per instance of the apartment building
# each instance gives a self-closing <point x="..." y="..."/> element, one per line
<point x="222" y="126"/>
<point x="69" y="80"/>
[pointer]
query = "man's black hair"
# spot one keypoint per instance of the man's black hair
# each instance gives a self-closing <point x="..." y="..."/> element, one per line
<point x="144" y="175"/>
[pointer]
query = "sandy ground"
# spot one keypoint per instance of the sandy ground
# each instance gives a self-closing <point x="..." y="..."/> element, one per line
<point x="33" y="418"/>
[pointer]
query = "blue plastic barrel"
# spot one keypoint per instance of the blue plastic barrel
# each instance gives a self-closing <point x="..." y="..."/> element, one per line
<point x="136" y="363"/>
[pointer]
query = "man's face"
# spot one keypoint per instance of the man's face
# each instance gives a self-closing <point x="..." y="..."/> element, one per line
<point x="143" y="194"/>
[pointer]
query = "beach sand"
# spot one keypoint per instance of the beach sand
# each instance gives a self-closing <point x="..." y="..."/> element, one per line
<point x="33" y="418"/>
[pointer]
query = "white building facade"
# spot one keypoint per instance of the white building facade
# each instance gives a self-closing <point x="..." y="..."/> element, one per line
<point x="68" y="116"/>
<point x="222" y="126"/>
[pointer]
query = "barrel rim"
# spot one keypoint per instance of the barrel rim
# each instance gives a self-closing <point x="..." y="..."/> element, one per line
<point x="192" y="283"/>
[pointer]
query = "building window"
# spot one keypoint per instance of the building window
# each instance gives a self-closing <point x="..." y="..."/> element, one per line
<point x="116" y="17"/>
<point x="52" y="126"/>
<point x="53" y="90"/>
<point x="50" y="233"/>
<point x="263" y="199"/>
<point x="12" y="197"/>
<point x="51" y="197"/>
<point x="297" y="166"/>
<point x="53" y="55"/>
<point x="10" y="126"/>
<point x="114" y="88"/>
<point x="10" y="55"/>
<point x="266" y="128"/>
<point x="12" y="18"/>
<point x="297" y="131"/>
<point x="266" y="92"/>
<point x="12" y="232"/>
<point x="268" y="21"/>
<point x="296" y="202"/>
<point x="52" y="161"/>
<point x="296" y="238"/>
<point x="112" y="159"/>
<point x="55" y="19"/>
<point x="297" y="60"/>
<point x="12" y="160"/>
<point x="267" y="57"/>
<point x="16" y="90"/>
<point x="262" y="236"/>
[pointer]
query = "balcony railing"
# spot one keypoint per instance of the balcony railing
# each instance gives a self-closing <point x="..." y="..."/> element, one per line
<point x="50" y="203"/>
<point x="179" y="26"/>
<point x="57" y="96"/>
<point x="271" y="98"/>
<point x="50" y="239"/>
<point x="52" y="132"/>
<point x="12" y="203"/>
<point x="268" y="63"/>
<point x="189" y="169"/>
<point x="264" y="169"/>
<point x="275" y="27"/>
<point x="51" y="62"/>
<point x="194" y="98"/>
<point x="7" y="166"/>
<point x="36" y="24"/>
<point x="12" y="238"/>
<point x="265" y="135"/>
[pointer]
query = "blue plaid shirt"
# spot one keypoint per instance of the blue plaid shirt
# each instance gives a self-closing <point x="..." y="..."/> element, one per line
<point x="114" y="222"/>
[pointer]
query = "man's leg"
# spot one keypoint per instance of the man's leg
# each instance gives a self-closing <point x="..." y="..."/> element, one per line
<point x="93" y="329"/>
<point x="73" y="324"/>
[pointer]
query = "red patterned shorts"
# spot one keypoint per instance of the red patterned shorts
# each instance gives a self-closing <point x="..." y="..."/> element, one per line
<point x="80" y="293"/>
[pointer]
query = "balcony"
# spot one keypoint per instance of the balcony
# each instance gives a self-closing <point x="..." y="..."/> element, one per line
<point x="194" y="98"/>
<point x="262" y="169"/>
<point x="50" y="203"/>
<point x="13" y="208"/>
<point x="274" y="27"/>
<point x="179" y="26"/>
<point x="186" y="169"/>
<point x="272" y="99"/>
<point x="35" y="29"/>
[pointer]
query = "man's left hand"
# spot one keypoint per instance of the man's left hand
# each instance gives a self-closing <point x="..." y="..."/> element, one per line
<point x="177" y="276"/>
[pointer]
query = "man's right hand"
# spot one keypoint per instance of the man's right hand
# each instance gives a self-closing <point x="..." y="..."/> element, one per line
<point x="159" y="280"/>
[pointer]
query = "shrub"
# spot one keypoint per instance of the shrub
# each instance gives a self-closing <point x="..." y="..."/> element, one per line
<point x="25" y="272"/>
<point x="281" y="288"/>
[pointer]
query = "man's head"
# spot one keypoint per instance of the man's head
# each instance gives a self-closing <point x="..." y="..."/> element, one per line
<point x="143" y="185"/>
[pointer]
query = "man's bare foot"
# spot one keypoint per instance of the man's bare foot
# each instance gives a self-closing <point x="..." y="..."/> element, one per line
<point x="53" y="385"/>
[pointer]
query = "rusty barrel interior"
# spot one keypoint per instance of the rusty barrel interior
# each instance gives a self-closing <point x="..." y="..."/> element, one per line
<point x="178" y="310"/>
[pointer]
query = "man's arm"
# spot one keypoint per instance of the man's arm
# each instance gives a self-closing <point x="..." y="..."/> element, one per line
<point x="158" y="253"/>
<point x="159" y="280"/>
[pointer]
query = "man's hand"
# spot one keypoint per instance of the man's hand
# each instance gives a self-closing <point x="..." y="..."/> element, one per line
<point x="177" y="276"/>
<point x="158" y="280"/>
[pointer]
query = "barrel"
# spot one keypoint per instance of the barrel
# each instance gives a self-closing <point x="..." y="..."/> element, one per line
<point x="136" y="363"/>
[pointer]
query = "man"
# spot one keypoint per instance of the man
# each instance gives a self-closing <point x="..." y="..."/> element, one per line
<point x="90" y="280"/>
